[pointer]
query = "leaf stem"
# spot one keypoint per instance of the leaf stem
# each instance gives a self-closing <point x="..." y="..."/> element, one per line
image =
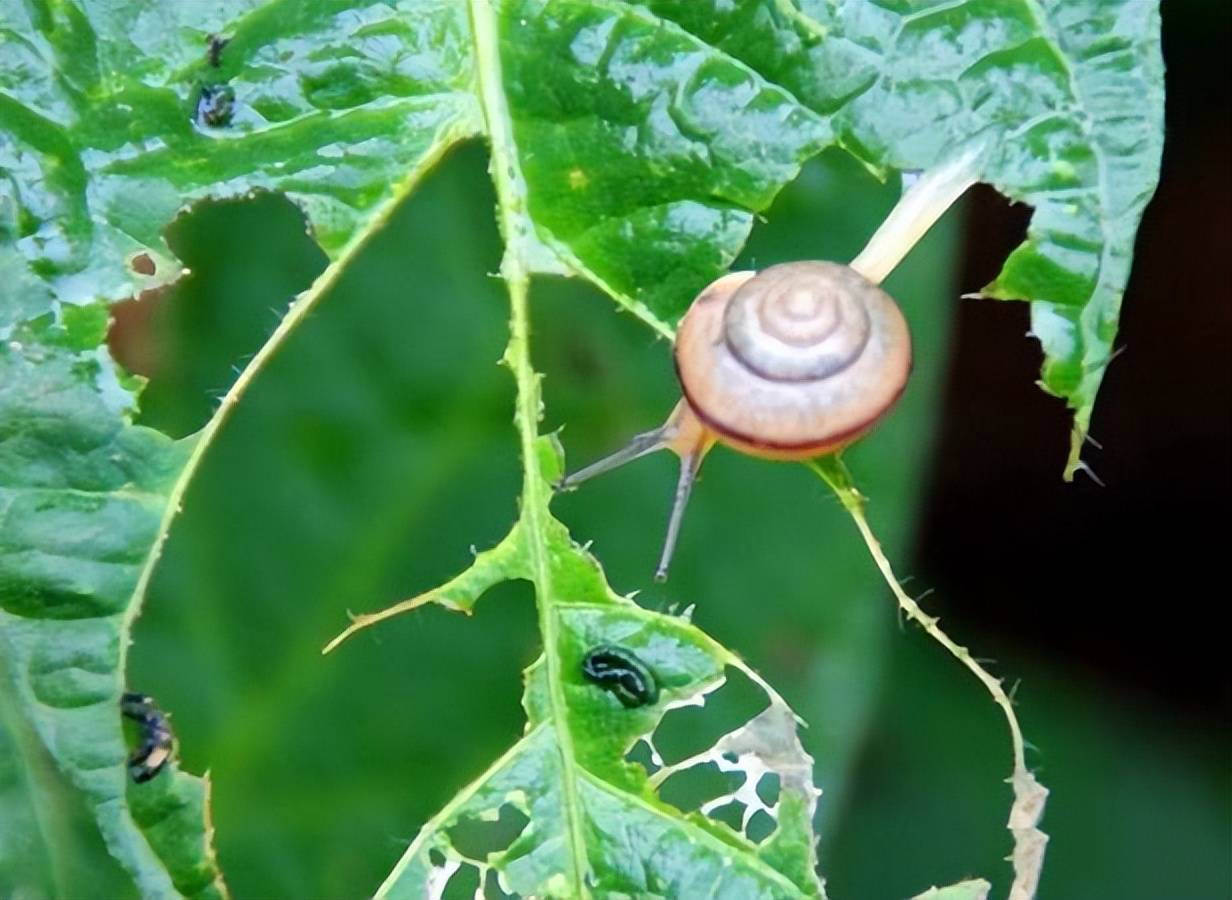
<point x="1029" y="794"/>
<point x="533" y="522"/>
<point x="520" y="244"/>
<point x="299" y="310"/>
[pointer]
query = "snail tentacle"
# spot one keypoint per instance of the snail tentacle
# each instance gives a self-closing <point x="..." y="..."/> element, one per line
<point x="689" y="465"/>
<point x="927" y="196"/>
<point x="685" y="435"/>
<point x="641" y="445"/>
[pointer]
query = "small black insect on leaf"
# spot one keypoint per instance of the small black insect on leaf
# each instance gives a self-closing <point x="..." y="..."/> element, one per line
<point x="156" y="742"/>
<point x="214" y="47"/>
<point x="620" y="672"/>
<point x="215" y="105"/>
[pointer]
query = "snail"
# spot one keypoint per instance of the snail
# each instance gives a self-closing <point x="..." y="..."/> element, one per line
<point x="793" y="362"/>
<point x="800" y="359"/>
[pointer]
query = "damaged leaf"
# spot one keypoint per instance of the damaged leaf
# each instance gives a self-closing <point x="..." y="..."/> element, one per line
<point x="592" y="820"/>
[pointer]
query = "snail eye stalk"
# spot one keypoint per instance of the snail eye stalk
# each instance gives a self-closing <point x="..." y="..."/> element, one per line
<point x="684" y="487"/>
<point x="683" y="434"/>
<point x="642" y="445"/>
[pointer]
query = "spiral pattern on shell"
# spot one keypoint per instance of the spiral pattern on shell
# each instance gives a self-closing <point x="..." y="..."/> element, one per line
<point x="787" y="326"/>
<point x="795" y="361"/>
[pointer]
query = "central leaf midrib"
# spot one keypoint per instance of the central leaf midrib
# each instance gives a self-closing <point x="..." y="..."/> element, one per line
<point x="515" y="269"/>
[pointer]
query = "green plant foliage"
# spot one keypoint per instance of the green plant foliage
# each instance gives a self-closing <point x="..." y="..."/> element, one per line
<point x="631" y="144"/>
<point x="363" y="464"/>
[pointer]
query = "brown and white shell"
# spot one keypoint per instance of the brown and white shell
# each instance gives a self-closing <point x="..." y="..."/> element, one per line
<point x="792" y="362"/>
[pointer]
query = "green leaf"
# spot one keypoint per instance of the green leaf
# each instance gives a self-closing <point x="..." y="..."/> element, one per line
<point x="645" y="151"/>
<point x="48" y="844"/>
<point x="83" y="498"/>
<point x="101" y="145"/>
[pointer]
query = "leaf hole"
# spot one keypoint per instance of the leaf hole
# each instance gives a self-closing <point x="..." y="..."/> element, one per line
<point x="691" y="788"/>
<point x="760" y="826"/>
<point x="246" y="260"/>
<point x="730" y="814"/>
<point x="687" y="731"/>
<point x="768" y="788"/>
<point x="143" y="264"/>
<point x="644" y="755"/>
<point x="476" y="838"/>
<point x="494" y="890"/>
<point x="463" y="884"/>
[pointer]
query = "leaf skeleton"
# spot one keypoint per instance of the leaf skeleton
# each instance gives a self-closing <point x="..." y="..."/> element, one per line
<point x="156" y="744"/>
<point x="618" y="671"/>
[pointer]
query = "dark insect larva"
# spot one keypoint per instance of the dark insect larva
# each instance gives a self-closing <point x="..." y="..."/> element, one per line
<point x="214" y="47"/>
<point x="619" y="672"/>
<point x="156" y="742"/>
<point x="215" y="105"/>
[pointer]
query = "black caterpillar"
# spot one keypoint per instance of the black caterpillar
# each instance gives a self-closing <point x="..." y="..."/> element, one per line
<point x="619" y="672"/>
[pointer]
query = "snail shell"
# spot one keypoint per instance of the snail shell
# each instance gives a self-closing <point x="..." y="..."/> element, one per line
<point x="795" y="361"/>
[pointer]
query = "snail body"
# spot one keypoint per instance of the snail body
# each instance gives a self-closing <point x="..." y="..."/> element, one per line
<point x="794" y="362"/>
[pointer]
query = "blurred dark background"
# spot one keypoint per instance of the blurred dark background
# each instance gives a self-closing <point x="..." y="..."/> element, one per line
<point x="1164" y="420"/>
<point x="377" y="449"/>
